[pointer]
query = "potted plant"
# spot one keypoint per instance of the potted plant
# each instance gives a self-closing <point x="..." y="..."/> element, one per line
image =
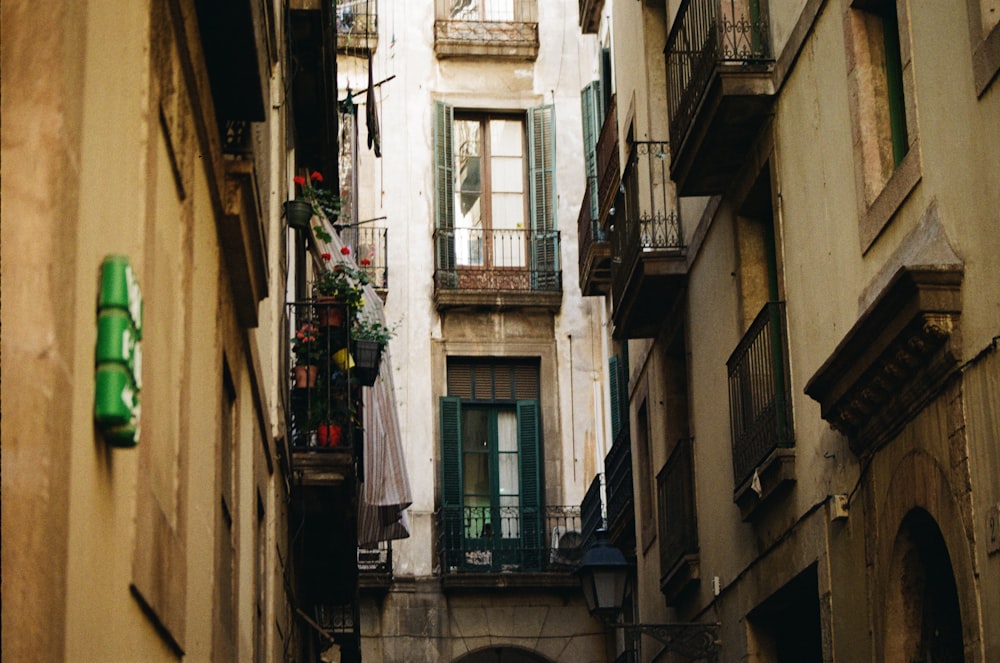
<point x="369" y="337"/>
<point x="308" y="352"/>
<point x="311" y="199"/>
<point x="330" y="417"/>
<point x="339" y="286"/>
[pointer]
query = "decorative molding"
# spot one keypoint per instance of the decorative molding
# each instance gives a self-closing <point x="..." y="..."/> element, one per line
<point x="896" y="358"/>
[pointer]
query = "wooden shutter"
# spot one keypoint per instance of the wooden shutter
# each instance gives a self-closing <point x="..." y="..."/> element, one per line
<point x="451" y="478"/>
<point x="444" y="196"/>
<point x="531" y="482"/>
<point x="542" y="190"/>
<point x="614" y="380"/>
<point x="590" y="105"/>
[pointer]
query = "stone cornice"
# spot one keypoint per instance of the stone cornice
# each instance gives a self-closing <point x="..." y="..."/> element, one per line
<point x="894" y="359"/>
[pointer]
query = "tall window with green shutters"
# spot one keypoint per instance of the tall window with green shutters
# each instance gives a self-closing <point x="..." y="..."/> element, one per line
<point x="495" y="199"/>
<point x="491" y="495"/>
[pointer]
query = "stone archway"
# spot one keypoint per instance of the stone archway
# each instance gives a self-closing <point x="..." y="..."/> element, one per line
<point x="502" y="654"/>
<point x="923" y="618"/>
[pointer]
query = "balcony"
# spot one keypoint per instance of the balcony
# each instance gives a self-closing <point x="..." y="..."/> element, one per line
<point x="506" y="29"/>
<point x="678" y="523"/>
<point x="590" y="15"/>
<point x="618" y="478"/>
<point x="370" y="248"/>
<point x="508" y="546"/>
<point x="497" y="268"/>
<point x="608" y="165"/>
<point x="650" y="261"/>
<point x="324" y="398"/>
<point x="595" y="251"/>
<point x="357" y="26"/>
<point x="760" y="410"/>
<point x="720" y="90"/>
<point x="375" y="566"/>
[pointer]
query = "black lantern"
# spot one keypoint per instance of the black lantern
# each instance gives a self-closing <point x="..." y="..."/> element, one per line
<point x="603" y="574"/>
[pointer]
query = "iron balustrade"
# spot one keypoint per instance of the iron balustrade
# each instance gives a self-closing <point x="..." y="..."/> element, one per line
<point x="760" y="404"/>
<point x="618" y="477"/>
<point x="370" y="247"/>
<point x="376" y="560"/>
<point x="497" y="260"/>
<point x="357" y="23"/>
<point x="648" y="221"/>
<point x="704" y="35"/>
<point x="588" y="228"/>
<point x="500" y="22"/>
<point x="675" y="492"/>
<point x="509" y="539"/>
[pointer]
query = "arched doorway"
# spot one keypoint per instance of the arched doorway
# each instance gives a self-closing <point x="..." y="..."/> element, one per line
<point x="923" y="619"/>
<point x="502" y="655"/>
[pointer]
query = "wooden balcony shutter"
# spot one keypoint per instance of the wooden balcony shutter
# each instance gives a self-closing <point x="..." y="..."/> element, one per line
<point x="542" y="191"/>
<point x="614" y="381"/>
<point x="590" y="105"/>
<point x="444" y="183"/>
<point x="451" y="473"/>
<point x="531" y="496"/>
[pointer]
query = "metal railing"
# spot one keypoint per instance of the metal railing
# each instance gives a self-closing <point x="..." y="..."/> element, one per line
<point x="760" y="404"/>
<point x="504" y="22"/>
<point x="704" y="34"/>
<point x="357" y="23"/>
<point x="370" y="247"/>
<point x="675" y="494"/>
<point x="497" y="260"/>
<point x="376" y="560"/>
<point x="509" y="539"/>
<point x="618" y="477"/>
<point x="649" y="220"/>
<point x="587" y="227"/>
<point x="608" y="160"/>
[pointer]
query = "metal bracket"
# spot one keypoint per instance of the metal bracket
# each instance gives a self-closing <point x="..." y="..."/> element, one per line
<point x="697" y="641"/>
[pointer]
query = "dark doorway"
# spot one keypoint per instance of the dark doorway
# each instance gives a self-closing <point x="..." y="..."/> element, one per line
<point x="787" y="625"/>
<point x="923" y="619"/>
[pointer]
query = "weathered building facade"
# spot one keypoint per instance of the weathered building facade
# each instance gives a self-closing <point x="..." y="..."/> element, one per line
<point x="793" y="231"/>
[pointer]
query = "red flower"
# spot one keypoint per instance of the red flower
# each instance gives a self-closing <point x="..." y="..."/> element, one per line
<point x="316" y="176"/>
<point x="365" y="262"/>
<point x="326" y="256"/>
<point x="299" y="179"/>
<point x="346" y="251"/>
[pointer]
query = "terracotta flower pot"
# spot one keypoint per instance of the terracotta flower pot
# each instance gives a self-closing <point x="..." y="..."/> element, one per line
<point x="329" y="311"/>
<point x="328" y="435"/>
<point x="305" y="376"/>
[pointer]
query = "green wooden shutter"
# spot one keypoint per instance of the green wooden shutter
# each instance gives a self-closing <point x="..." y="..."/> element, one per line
<point x="444" y="197"/>
<point x="451" y="478"/>
<point x="614" y="381"/>
<point x="529" y="449"/>
<point x="590" y="104"/>
<point x="542" y="190"/>
<point x="894" y="83"/>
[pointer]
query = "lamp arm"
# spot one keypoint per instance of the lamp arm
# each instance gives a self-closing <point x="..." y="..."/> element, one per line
<point x="695" y="640"/>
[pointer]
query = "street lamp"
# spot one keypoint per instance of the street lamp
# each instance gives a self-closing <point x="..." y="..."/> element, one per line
<point x="603" y="573"/>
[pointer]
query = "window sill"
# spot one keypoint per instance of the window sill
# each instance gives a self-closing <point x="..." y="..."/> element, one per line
<point x="776" y="474"/>
<point x="904" y="179"/>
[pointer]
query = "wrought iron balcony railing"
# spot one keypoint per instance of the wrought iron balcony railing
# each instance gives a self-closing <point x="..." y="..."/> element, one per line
<point x="499" y="28"/>
<point x="595" y="250"/>
<point x="509" y="539"/>
<point x="370" y="248"/>
<point x="704" y="35"/>
<point x="678" y="525"/>
<point x="475" y="259"/>
<point x="357" y="25"/>
<point x="649" y="221"/>
<point x="760" y="404"/>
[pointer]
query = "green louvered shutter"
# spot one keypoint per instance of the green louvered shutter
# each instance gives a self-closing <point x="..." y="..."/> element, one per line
<point x="614" y="380"/>
<point x="451" y="478"/>
<point x="531" y="483"/>
<point x="542" y="190"/>
<point x="590" y="104"/>
<point x="444" y="198"/>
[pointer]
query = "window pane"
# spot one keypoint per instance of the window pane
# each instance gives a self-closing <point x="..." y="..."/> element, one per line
<point x="507" y="174"/>
<point x="506" y="138"/>
<point x="476" y="468"/>
<point x="468" y="179"/>
<point x="475" y="432"/>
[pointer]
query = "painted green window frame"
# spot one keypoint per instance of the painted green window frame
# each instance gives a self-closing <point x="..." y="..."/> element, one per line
<point x="542" y="201"/>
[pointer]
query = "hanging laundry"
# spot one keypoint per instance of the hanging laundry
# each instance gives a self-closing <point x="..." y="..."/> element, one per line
<point x="371" y="113"/>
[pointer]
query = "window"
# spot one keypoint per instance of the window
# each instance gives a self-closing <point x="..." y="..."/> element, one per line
<point x="495" y="199"/>
<point x="885" y="146"/>
<point x="491" y="465"/>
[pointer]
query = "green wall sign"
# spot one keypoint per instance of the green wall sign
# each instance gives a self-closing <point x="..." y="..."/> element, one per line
<point x="118" y="355"/>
